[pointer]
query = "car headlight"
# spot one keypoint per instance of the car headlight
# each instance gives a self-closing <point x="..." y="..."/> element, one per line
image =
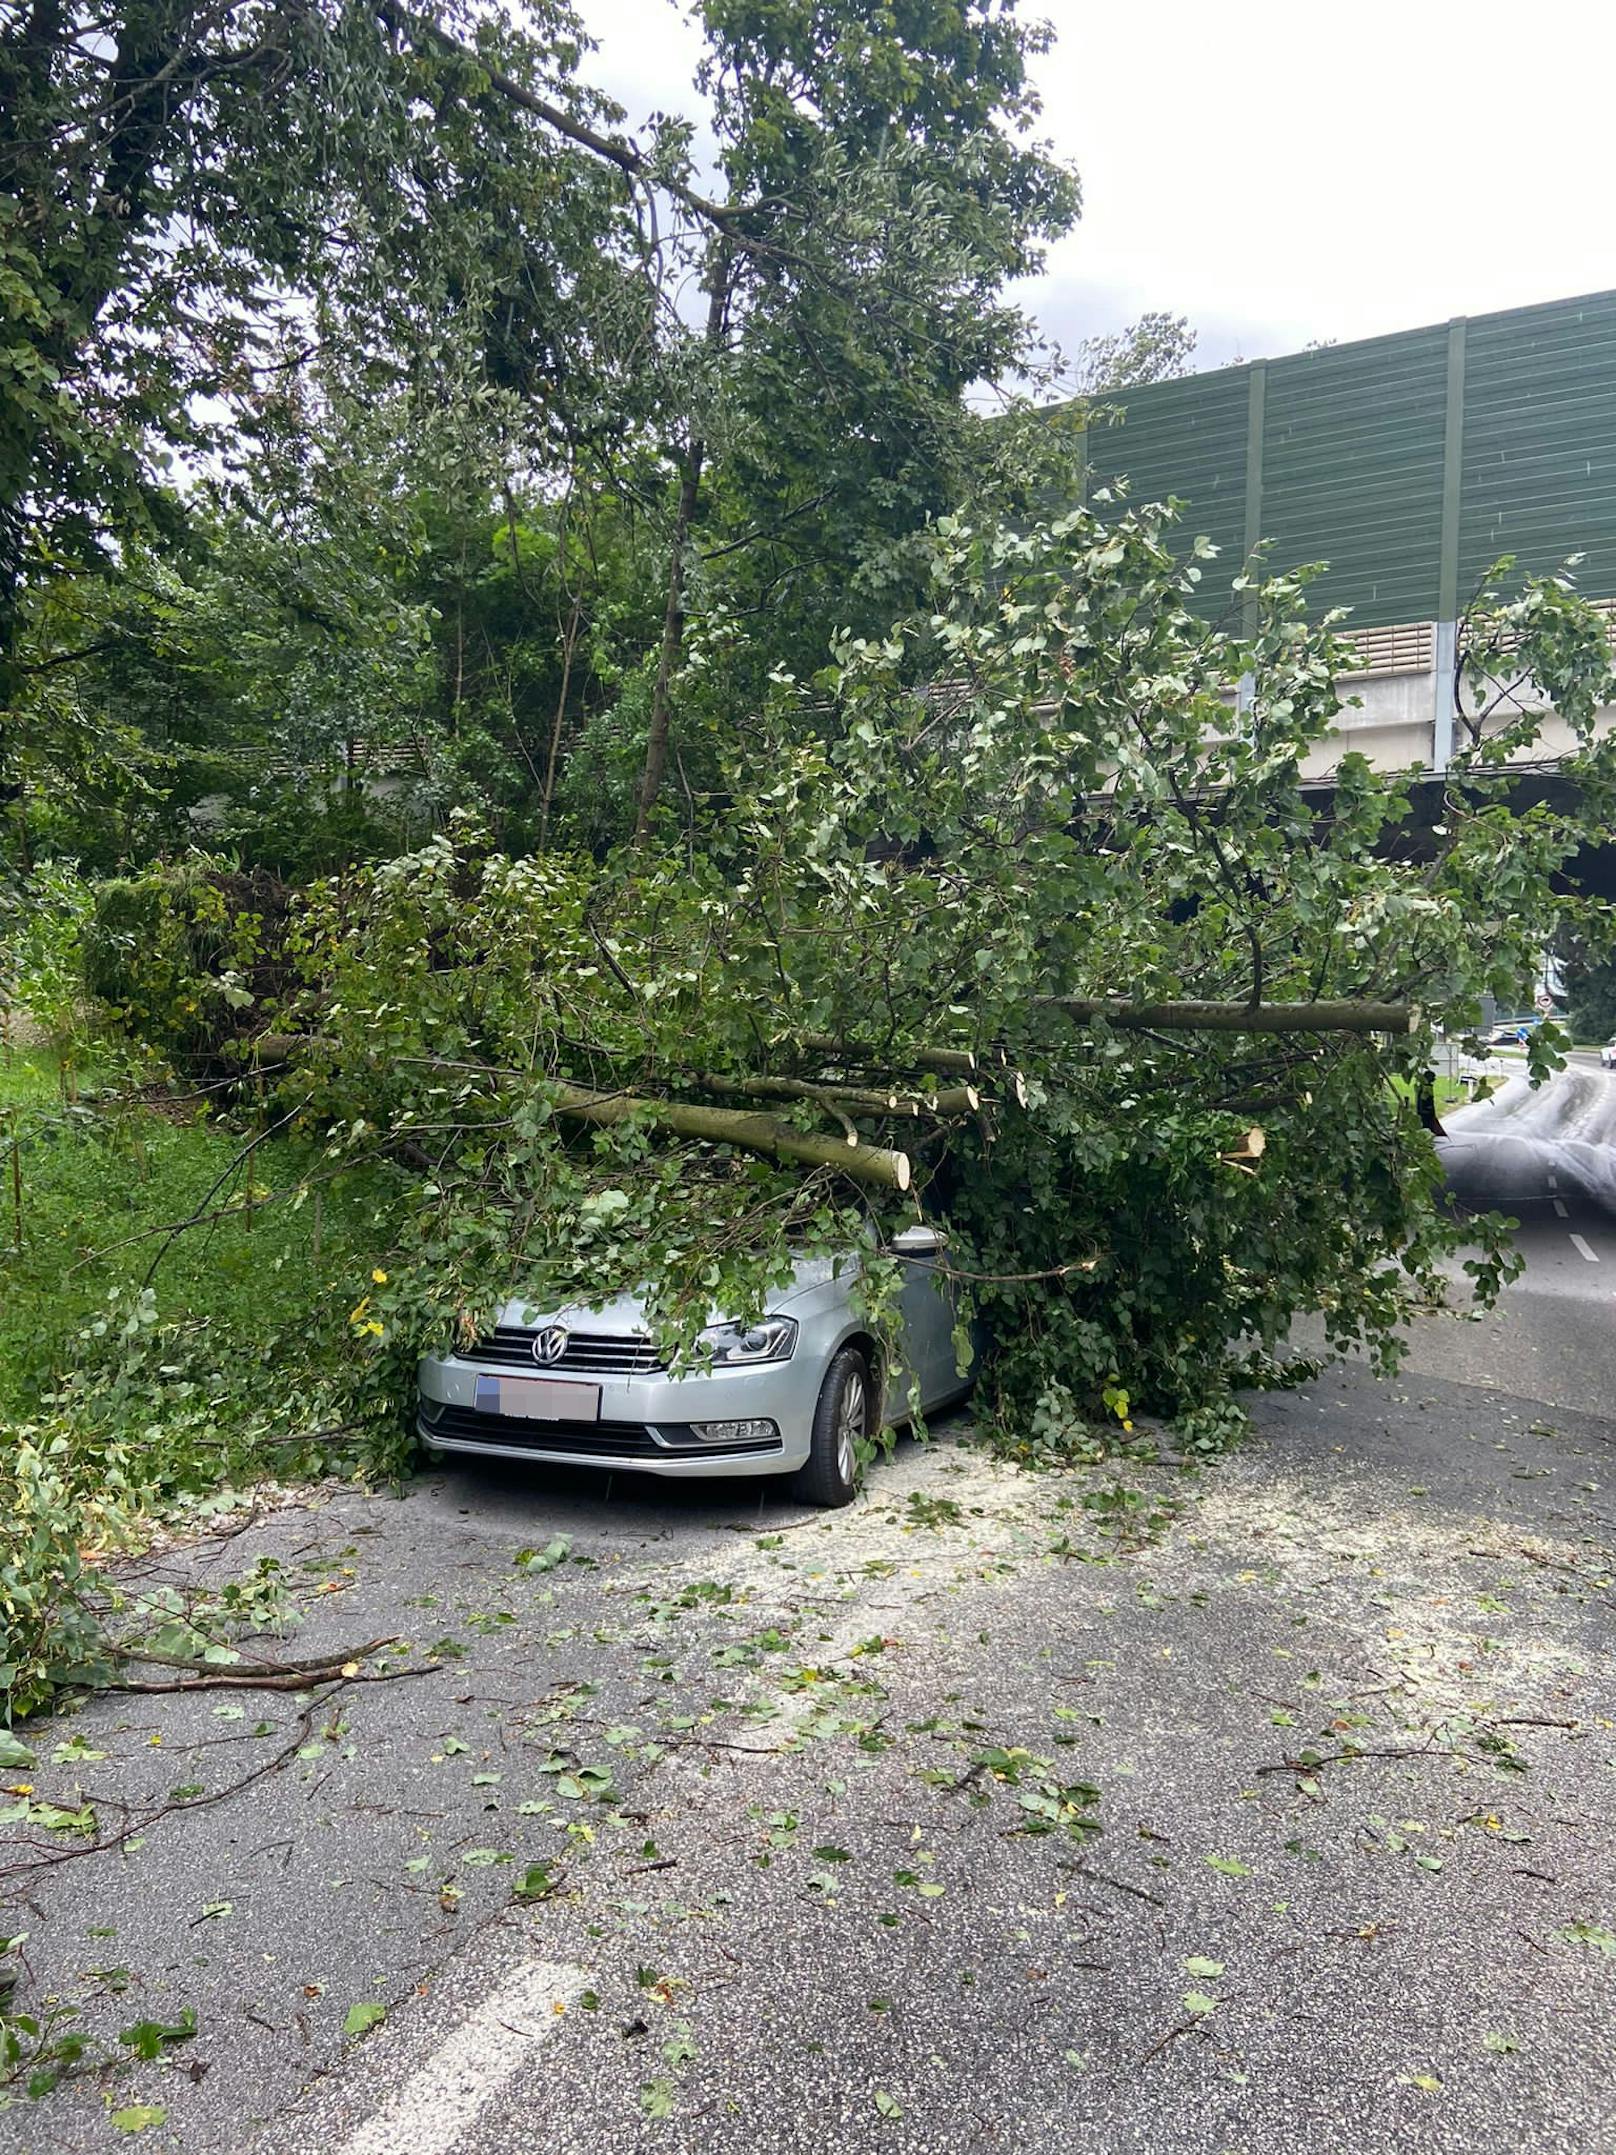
<point x="772" y="1339"/>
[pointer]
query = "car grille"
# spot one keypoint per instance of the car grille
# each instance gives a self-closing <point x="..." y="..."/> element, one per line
<point x="604" y="1354"/>
<point x="581" y="1440"/>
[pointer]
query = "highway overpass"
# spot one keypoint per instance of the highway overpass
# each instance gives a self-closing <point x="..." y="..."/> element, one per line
<point x="1409" y="464"/>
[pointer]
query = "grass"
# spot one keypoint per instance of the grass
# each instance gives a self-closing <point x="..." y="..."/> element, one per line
<point x="86" y="1188"/>
<point x="1449" y="1091"/>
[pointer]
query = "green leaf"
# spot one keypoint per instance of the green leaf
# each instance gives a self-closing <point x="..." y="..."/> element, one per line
<point x="136" y="2117"/>
<point x="1230" y="1866"/>
<point x="362" y="2018"/>
<point x="1197" y="2001"/>
<point x="680" y="2046"/>
<point x="656" y="2097"/>
<point x="147" y="2037"/>
<point x="888" y="2105"/>
<point x="14" y="1753"/>
<point x="553" y="1553"/>
<point x="537" y="1883"/>
<point x="1197" y="1964"/>
<point x="1502" y="2046"/>
<point x="1589" y="1934"/>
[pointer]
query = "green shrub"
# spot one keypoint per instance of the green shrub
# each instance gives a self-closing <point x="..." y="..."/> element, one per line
<point x="49" y="1634"/>
<point x="187" y="956"/>
<point x="42" y="922"/>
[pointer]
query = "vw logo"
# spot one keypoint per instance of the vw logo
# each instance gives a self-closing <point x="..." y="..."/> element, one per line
<point x="550" y="1345"/>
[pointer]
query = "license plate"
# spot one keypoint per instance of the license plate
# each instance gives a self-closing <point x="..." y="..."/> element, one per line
<point x="538" y="1399"/>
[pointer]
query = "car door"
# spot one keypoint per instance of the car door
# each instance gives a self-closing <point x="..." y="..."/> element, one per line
<point x="926" y="1318"/>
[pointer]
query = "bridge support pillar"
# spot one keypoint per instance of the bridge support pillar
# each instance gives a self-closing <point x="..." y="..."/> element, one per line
<point x="1445" y="644"/>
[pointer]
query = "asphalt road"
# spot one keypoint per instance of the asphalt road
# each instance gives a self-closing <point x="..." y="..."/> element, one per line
<point x="774" y="1779"/>
<point x="1548" y="1160"/>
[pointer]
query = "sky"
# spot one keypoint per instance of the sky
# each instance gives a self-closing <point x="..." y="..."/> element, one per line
<point x="1288" y="171"/>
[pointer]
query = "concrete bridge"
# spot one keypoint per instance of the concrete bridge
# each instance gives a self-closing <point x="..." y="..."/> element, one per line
<point x="1403" y="707"/>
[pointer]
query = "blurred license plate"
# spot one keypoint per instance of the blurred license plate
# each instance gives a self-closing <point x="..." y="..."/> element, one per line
<point x="538" y="1399"/>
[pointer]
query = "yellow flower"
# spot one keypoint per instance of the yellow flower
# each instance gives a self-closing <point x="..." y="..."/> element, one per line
<point x="380" y="1277"/>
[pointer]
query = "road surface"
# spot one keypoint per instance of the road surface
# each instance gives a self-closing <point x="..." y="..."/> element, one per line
<point x="713" y="1826"/>
<point x="1548" y="1160"/>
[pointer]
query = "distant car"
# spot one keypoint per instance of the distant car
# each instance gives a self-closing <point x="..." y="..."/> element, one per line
<point x="1607" y="1054"/>
<point x="1514" y="1034"/>
<point x="796" y="1393"/>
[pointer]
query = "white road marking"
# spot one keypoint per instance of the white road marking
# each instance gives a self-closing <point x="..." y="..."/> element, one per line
<point x="1591" y="1255"/>
<point x="1554" y="1182"/>
<point x="1559" y="1206"/>
<point x="441" y="2101"/>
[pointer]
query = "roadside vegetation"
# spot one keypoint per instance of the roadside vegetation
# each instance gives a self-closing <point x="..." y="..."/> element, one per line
<point x="154" y="1372"/>
<point x="93" y="1182"/>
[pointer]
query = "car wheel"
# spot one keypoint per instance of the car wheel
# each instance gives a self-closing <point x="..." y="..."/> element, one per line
<point x="841" y="1423"/>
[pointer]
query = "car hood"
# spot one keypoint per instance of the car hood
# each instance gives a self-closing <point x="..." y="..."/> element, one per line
<point x="625" y="1314"/>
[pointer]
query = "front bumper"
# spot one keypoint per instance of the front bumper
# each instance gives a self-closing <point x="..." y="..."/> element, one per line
<point x="645" y="1423"/>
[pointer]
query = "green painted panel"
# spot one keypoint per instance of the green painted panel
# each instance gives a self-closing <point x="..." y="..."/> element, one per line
<point x="1539" y="457"/>
<point x="1185" y="439"/>
<point x="1352" y="471"/>
<point x="1353" y="456"/>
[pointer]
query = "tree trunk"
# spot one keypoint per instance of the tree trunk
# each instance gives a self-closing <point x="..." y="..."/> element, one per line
<point x="568" y="644"/>
<point x="855" y="1099"/>
<point x="953" y="1062"/>
<point x="1340" y="1017"/>
<point x="748" y="1130"/>
<point x="673" y="620"/>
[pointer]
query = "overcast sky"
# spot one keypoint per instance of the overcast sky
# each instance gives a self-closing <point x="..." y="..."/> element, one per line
<point x="1285" y="170"/>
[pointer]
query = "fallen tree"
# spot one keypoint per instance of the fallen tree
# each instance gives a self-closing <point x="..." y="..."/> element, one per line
<point x="1064" y="958"/>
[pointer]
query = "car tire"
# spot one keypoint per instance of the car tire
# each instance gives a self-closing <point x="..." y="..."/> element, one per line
<point x="842" y="1413"/>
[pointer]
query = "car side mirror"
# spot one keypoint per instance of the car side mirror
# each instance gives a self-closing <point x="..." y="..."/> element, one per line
<point x="917" y="1242"/>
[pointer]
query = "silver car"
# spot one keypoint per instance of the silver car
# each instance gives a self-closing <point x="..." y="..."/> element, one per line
<point x="795" y="1393"/>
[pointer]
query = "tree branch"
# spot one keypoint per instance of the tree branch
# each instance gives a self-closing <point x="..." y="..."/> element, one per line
<point x="1334" y="1017"/>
